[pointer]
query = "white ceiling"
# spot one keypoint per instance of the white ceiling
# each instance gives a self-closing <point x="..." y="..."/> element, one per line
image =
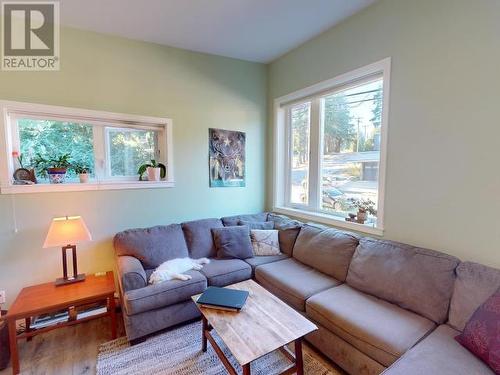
<point x="254" y="30"/>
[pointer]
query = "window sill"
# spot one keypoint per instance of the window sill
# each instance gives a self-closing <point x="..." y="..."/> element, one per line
<point x="329" y="220"/>
<point x="91" y="186"/>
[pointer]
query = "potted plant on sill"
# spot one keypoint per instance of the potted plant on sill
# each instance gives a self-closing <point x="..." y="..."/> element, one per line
<point x="365" y="207"/>
<point x="55" y="167"/>
<point x="83" y="172"/>
<point x="155" y="171"/>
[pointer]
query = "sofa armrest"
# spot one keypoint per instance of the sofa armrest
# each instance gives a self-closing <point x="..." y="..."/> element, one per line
<point x="132" y="274"/>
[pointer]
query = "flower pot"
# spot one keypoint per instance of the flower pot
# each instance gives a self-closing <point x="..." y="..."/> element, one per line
<point x="56" y="175"/>
<point x="154" y="174"/>
<point x="84" y="178"/>
<point x="362" y="215"/>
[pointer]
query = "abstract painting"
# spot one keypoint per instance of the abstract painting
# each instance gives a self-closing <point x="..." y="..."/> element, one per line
<point x="226" y="158"/>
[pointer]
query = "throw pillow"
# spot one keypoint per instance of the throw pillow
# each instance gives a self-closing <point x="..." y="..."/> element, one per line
<point x="481" y="335"/>
<point x="232" y="242"/>
<point x="257" y="224"/>
<point x="265" y="242"/>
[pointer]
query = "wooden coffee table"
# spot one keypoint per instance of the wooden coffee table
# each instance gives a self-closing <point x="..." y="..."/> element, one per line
<point x="265" y="324"/>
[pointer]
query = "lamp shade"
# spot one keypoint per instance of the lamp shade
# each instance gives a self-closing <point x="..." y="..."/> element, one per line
<point x="68" y="230"/>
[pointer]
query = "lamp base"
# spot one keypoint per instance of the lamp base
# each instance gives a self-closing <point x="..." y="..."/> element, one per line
<point x="70" y="280"/>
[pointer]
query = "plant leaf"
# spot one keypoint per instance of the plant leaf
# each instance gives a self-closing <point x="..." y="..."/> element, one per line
<point x="163" y="170"/>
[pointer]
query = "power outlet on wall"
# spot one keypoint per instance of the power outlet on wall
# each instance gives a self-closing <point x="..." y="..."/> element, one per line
<point x="2" y="296"/>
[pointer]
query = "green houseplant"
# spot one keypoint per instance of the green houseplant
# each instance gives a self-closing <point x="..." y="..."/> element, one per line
<point x="54" y="166"/>
<point x="155" y="171"/>
<point x="82" y="171"/>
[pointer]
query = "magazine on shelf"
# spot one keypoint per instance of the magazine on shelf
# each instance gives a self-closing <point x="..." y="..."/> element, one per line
<point x="96" y="310"/>
<point x="46" y="320"/>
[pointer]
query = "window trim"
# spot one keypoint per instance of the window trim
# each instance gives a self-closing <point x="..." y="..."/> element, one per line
<point x="282" y="149"/>
<point x="10" y="110"/>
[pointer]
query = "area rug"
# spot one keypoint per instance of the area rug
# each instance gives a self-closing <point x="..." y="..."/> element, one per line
<point x="178" y="352"/>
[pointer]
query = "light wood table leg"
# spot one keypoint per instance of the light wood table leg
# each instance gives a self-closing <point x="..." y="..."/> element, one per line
<point x="299" y="363"/>
<point x="14" y="354"/>
<point x="204" y="330"/>
<point x="246" y="369"/>
<point x="27" y="323"/>
<point x="112" y="315"/>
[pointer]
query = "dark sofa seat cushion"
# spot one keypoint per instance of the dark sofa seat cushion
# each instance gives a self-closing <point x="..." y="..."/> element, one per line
<point x="288" y="231"/>
<point x="416" y="279"/>
<point x="439" y="354"/>
<point x="231" y="221"/>
<point x="152" y="246"/>
<point x="474" y="284"/>
<point x="329" y="251"/>
<point x="260" y="260"/>
<point x="222" y="272"/>
<point x="164" y="294"/>
<point x="292" y="281"/>
<point x="199" y="238"/>
<point x="381" y="330"/>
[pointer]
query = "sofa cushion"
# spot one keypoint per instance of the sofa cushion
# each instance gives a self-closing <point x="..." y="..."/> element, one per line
<point x="474" y="284"/>
<point x="378" y="328"/>
<point x="257" y="224"/>
<point x="260" y="260"/>
<point x="416" y="279"/>
<point x="199" y="238"/>
<point x="439" y="354"/>
<point x="231" y="221"/>
<point x="329" y="251"/>
<point x="292" y="281"/>
<point x="265" y="242"/>
<point x="481" y="335"/>
<point x="222" y="272"/>
<point x="152" y="246"/>
<point x="232" y="242"/>
<point x="164" y="294"/>
<point x="288" y="231"/>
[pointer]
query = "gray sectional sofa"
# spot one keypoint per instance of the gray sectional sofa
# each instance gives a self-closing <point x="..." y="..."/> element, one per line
<point x="380" y="306"/>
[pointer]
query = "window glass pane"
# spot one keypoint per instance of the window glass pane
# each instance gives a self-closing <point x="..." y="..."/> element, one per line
<point x="351" y="122"/>
<point x="51" y="139"/>
<point x="128" y="149"/>
<point x="300" y="125"/>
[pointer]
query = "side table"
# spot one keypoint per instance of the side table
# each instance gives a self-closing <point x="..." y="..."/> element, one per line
<point x="48" y="298"/>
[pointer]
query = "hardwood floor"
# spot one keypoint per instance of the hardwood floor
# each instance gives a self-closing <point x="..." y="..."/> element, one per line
<point x="73" y="350"/>
<point x="68" y="351"/>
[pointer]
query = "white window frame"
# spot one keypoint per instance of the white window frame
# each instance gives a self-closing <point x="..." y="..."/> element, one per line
<point x="9" y="141"/>
<point x="281" y="170"/>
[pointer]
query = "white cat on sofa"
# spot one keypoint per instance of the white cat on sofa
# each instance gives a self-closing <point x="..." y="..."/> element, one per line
<point x="175" y="268"/>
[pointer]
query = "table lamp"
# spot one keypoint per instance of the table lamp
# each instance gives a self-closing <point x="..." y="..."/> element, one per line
<point x="67" y="232"/>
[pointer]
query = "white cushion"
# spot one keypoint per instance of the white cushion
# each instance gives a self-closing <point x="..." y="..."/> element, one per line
<point x="265" y="242"/>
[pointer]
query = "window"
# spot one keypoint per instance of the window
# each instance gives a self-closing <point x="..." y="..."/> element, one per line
<point x="112" y="146"/>
<point x="329" y="155"/>
<point x="129" y="148"/>
<point x="41" y="137"/>
<point x="299" y="126"/>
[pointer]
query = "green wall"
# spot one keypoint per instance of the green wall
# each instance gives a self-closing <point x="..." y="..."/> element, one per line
<point x="107" y="73"/>
<point x="443" y="177"/>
